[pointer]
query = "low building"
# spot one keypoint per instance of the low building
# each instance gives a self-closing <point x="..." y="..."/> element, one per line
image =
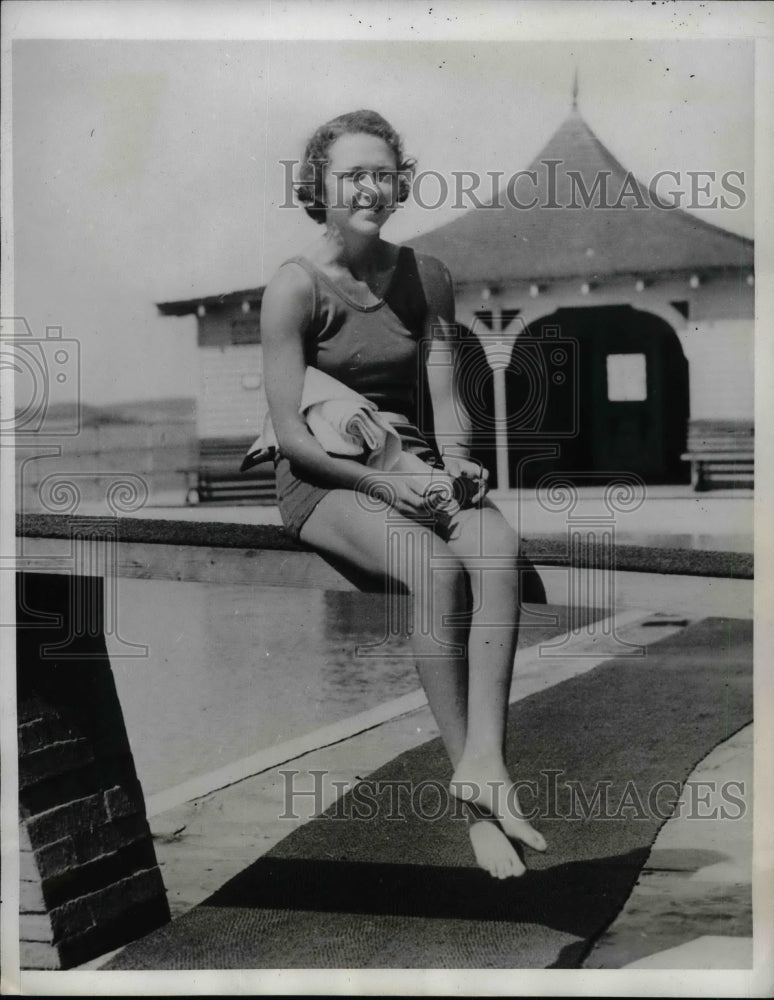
<point x="231" y="401"/>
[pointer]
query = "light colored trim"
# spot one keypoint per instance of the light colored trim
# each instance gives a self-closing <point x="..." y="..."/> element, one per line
<point x="271" y="757"/>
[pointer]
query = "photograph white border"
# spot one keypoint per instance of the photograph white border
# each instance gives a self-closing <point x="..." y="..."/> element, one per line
<point x="439" y="20"/>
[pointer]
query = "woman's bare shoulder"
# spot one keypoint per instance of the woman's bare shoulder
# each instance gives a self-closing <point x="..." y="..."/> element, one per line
<point x="289" y="295"/>
<point x="290" y="279"/>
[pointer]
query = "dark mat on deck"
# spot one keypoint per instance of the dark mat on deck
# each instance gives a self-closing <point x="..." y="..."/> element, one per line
<point x="397" y="890"/>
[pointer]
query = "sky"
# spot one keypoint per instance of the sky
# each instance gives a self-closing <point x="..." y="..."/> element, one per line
<point x="148" y="171"/>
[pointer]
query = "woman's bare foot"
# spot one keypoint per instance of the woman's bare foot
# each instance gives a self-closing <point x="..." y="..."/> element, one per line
<point x="494" y="852"/>
<point x="487" y="784"/>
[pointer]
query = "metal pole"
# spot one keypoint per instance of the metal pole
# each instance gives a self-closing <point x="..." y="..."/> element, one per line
<point x="500" y="406"/>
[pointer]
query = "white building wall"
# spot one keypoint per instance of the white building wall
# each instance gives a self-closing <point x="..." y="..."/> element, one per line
<point x="232" y="401"/>
<point x="721" y="373"/>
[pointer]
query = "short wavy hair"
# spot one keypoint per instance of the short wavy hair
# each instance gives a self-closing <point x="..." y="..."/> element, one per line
<point x="309" y="189"/>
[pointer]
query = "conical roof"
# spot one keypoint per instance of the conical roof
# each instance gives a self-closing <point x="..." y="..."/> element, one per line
<point x="507" y="243"/>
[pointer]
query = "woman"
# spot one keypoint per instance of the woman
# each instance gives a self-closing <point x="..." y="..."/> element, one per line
<point x="357" y="307"/>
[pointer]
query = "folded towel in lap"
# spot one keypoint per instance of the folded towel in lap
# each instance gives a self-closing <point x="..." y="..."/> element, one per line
<point x="346" y="423"/>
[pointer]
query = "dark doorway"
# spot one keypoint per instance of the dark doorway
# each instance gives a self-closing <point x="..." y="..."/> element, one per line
<point x="613" y="396"/>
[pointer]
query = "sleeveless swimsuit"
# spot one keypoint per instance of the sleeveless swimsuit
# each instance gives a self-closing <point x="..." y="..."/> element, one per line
<point x="373" y="349"/>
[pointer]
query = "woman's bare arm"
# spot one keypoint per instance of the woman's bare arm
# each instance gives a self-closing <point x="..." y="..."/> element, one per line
<point x="285" y="315"/>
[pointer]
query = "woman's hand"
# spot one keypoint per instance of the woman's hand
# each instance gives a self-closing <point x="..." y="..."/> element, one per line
<point x="402" y="491"/>
<point x="466" y="468"/>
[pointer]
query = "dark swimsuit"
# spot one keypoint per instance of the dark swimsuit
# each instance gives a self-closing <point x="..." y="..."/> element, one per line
<point x="374" y="350"/>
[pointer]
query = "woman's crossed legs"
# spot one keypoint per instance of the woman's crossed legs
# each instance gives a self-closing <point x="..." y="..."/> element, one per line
<point x="465" y="599"/>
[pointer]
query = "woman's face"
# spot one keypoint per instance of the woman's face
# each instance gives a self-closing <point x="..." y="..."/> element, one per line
<point x="361" y="183"/>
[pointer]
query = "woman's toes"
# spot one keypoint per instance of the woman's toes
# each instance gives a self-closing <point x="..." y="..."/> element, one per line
<point x="522" y="831"/>
<point x="494" y="852"/>
<point x="535" y="840"/>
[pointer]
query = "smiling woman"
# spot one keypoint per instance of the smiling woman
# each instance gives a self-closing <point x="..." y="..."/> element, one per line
<point x="394" y="169"/>
<point x="379" y="318"/>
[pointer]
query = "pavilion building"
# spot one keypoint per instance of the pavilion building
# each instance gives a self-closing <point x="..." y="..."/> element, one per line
<point x="608" y="320"/>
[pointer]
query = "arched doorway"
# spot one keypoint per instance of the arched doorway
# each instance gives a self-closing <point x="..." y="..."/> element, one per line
<point x="609" y="386"/>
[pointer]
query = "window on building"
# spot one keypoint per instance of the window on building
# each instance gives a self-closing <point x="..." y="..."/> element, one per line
<point x="627" y="380"/>
<point x="246" y="331"/>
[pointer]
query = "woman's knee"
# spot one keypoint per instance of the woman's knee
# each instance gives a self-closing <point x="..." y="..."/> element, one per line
<point x="486" y="534"/>
<point x="427" y="565"/>
<point x="500" y="539"/>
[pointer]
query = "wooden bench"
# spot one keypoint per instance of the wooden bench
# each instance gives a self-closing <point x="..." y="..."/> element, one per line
<point x="217" y="478"/>
<point x="722" y="454"/>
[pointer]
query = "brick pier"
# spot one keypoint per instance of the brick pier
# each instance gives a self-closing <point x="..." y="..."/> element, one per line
<point x="89" y="877"/>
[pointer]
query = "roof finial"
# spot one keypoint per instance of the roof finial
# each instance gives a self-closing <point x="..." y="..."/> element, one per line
<point x="575" y="91"/>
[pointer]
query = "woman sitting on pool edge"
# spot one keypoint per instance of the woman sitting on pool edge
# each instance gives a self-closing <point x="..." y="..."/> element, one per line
<point x="358" y="308"/>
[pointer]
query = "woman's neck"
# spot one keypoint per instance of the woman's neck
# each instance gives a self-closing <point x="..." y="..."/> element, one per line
<point x="362" y="255"/>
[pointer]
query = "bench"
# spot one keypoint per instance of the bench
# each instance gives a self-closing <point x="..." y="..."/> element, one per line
<point x="217" y="478"/>
<point x="721" y="453"/>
